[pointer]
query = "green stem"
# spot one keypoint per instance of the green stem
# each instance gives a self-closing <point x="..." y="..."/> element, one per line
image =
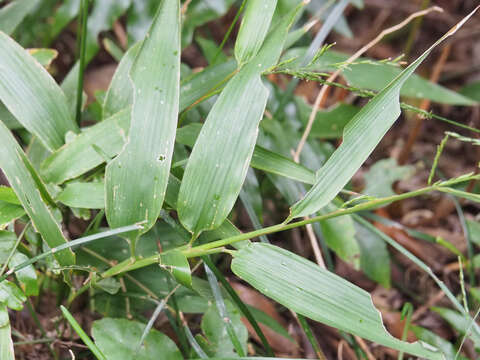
<point x="83" y="335"/>
<point x="311" y="338"/>
<point x="82" y="35"/>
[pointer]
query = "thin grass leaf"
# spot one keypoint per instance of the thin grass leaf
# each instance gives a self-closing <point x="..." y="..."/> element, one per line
<point x="318" y="294"/>
<point x="136" y="179"/>
<point x="31" y="193"/>
<point x="253" y="29"/>
<point x="361" y="136"/>
<point x="32" y="96"/>
<point x="224" y="148"/>
<point x="83" y="335"/>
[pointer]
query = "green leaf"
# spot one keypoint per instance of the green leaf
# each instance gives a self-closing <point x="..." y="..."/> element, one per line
<point x="374" y="256"/>
<point x="32" y="96"/>
<point x="146" y="157"/>
<point x="120" y="91"/>
<point x="83" y="195"/>
<point x="116" y="337"/>
<point x="11" y="295"/>
<point x="31" y="193"/>
<point x="177" y="264"/>
<point x="309" y="290"/>
<point x="215" y="330"/>
<point x="92" y="147"/>
<point x="12" y="14"/>
<point x="44" y="56"/>
<point x="26" y="276"/>
<point x="64" y="14"/>
<point x="253" y="30"/>
<point x="462" y="194"/>
<point x="9" y="212"/>
<point x="7" y="242"/>
<point x="380" y="178"/>
<point x="361" y="136"/>
<point x="472" y="90"/>
<point x="224" y="148"/>
<point x="474" y="231"/>
<point x="329" y="123"/>
<point x="6" y="343"/>
<point x="8" y="195"/>
<point x="435" y="340"/>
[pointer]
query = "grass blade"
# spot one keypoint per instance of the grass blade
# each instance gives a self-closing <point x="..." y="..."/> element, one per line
<point x="360" y="137"/>
<point x="85" y="338"/>
<point x="136" y="179"/>
<point x="6" y="344"/>
<point x="319" y="294"/>
<point x="223" y="150"/>
<point x="31" y="193"/>
<point x="256" y="21"/>
<point x="12" y="14"/>
<point x="32" y="96"/>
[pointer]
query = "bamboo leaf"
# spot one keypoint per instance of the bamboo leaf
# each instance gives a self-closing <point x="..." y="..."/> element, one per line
<point x="256" y="21"/>
<point x="116" y="337"/>
<point x="32" y="96"/>
<point x="31" y="192"/>
<point x="9" y="212"/>
<point x="309" y="290"/>
<point x="360" y="137"/>
<point x="224" y="148"/>
<point x="136" y="179"/>
<point x="177" y="264"/>
<point x="27" y="276"/>
<point x="83" y="195"/>
<point x="6" y="343"/>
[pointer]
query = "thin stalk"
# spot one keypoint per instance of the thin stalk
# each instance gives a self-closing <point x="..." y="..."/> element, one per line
<point x="218" y="245"/>
<point x="242" y="307"/>
<point x="311" y="338"/>
<point x="229" y="31"/>
<point x="37" y="322"/>
<point x="407" y="315"/>
<point x="82" y="36"/>
<point x="83" y="335"/>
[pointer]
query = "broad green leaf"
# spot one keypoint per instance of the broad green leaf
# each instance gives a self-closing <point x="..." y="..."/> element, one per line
<point x="460" y="323"/>
<point x="214" y="328"/>
<point x="6" y="343"/>
<point x="224" y="148"/>
<point x="116" y="339"/>
<point x="94" y="146"/>
<point x="339" y="234"/>
<point x="329" y="124"/>
<point x="32" y="96"/>
<point x="83" y="195"/>
<point x="309" y="290"/>
<point x="30" y="191"/>
<point x="435" y="340"/>
<point x="11" y="295"/>
<point x="12" y="14"/>
<point x="7" y="242"/>
<point x="120" y="92"/>
<point x="8" y="195"/>
<point x="136" y="179"/>
<point x="381" y="176"/>
<point x="44" y="56"/>
<point x="374" y="256"/>
<point x="9" y="212"/>
<point x="253" y="30"/>
<point x="177" y="264"/>
<point x="361" y="136"/>
<point x="26" y="276"/>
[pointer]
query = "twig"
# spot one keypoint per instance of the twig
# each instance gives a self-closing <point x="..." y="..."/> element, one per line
<point x="324" y="89"/>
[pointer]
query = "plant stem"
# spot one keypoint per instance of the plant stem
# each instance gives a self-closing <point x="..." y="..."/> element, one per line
<point x="82" y="35"/>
